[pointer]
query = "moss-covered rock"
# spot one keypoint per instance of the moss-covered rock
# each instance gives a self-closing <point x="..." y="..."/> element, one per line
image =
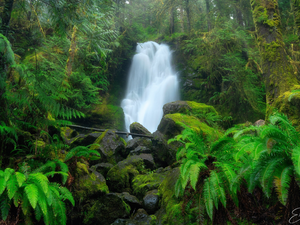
<point x="171" y="208"/>
<point x="105" y="210"/>
<point x="119" y="178"/>
<point x="188" y="107"/>
<point x="68" y="134"/>
<point x="102" y="168"/>
<point x="138" y="128"/>
<point x="88" y="183"/>
<point x="143" y="183"/>
<point x="110" y="146"/>
<point x="171" y="126"/>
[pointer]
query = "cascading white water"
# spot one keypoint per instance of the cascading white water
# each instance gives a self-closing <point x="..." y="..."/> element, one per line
<point x="152" y="83"/>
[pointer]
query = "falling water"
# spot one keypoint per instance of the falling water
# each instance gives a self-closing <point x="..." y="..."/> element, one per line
<point x="152" y="83"/>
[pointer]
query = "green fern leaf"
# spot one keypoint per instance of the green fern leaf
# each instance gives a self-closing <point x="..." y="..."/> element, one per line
<point x="66" y="194"/>
<point x="25" y="204"/>
<point x="194" y="173"/>
<point x="208" y="198"/>
<point x="38" y="213"/>
<point x="21" y="178"/>
<point x="2" y="185"/>
<point x="31" y="191"/>
<point x="12" y="186"/>
<point x="178" y="188"/>
<point x="40" y="180"/>
<point x="7" y="173"/>
<point x="282" y="183"/>
<point x="296" y="159"/>
<point x="4" y="206"/>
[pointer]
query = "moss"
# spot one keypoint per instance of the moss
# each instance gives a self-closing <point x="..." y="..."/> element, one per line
<point x="82" y="168"/>
<point x="201" y="108"/>
<point x="173" y="206"/>
<point x="146" y="182"/>
<point x="120" y="175"/>
<point x="195" y="124"/>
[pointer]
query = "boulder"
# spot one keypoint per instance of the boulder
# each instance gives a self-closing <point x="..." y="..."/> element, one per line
<point x="143" y="183"/>
<point x="89" y="183"/>
<point x="138" y="141"/>
<point x="172" y="125"/>
<point x="110" y="146"/>
<point x="151" y="201"/>
<point x="119" y="177"/>
<point x="140" y="150"/>
<point x="84" y="139"/>
<point x="105" y="210"/>
<point x="171" y="207"/>
<point x="138" y="128"/>
<point x="102" y="168"/>
<point x="259" y="123"/>
<point x="188" y="107"/>
<point x="68" y="134"/>
<point x="129" y="199"/>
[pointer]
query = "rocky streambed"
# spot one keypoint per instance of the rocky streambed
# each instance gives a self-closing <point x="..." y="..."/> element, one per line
<point x="133" y="183"/>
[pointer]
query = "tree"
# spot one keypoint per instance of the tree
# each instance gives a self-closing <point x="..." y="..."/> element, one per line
<point x="280" y="78"/>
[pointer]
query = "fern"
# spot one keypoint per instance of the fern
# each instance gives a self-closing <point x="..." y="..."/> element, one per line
<point x="34" y="191"/>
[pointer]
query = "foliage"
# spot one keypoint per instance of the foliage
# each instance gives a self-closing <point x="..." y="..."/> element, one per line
<point x="82" y="151"/>
<point x="33" y="190"/>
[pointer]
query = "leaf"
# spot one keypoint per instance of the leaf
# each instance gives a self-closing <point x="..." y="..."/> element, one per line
<point x="208" y="198"/>
<point x="12" y="186"/>
<point x="20" y="178"/>
<point x="2" y="185"/>
<point x="31" y="191"/>
<point x="296" y="159"/>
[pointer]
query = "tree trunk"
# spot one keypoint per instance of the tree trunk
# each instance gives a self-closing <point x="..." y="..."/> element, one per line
<point x="238" y="11"/>
<point x="188" y="15"/>
<point x="72" y="52"/>
<point x="172" y="17"/>
<point x="208" y="15"/>
<point x="6" y="15"/>
<point x="181" y="19"/>
<point x="280" y="78"/>
<point x="296" y="13"/>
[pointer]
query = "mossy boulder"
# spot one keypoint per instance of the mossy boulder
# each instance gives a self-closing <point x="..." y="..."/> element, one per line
<point x="138" y="128"/>
<point x="102" y="168"/>
<point x="188" y="107"/>
<point x="68" y="134"/>
<point x="143" y="183"/>
<point x="138" y="141"/>
<point x="171" y="125"/>
<point x="119" y="178"/>
<point x="84" y="139"/>
<point x="89" y="183"/>
<point x="105" y="210"/>
<point x="110" y="146"/>
<point x="171" y="208"/>
<point x="151" y="201"/>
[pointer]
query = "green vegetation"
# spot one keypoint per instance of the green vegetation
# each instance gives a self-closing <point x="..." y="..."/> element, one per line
<point x="64" y="62"/>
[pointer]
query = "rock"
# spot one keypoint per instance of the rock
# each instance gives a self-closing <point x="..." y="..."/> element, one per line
<point x="111" y="147"/>
<point x="146" y="220"/>
<point x="84" y="139"/>
<point x="171" y="207"/>
<point x="162" y="153"/>
<point x="102" y="168"/>
<point x="105" y="210"/>
<point x="138" y="128"/>
<point x="89" y="183"/>
<point x="150" y="201"/>
<point x="139" y="150"/>
<point x="171" y="125"/>
<point x="138" y="141"/>
<point x="141" y="215"/>
<point x="129" y="199"/>
<point x="68" y="134"/>
<point x="259" y="123"/>
<point x="119" y="177"/>
<point x="188" y="107"/>
<point x="143" y="183"/>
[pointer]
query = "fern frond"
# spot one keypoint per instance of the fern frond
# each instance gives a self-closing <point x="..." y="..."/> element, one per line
<point x="282" y="183"/>
<point x="2" y="185"/>
<point x="4" y="206"/>
<point x="31" y="191"/>
<point x="12" y="186"/>
<point x="208" y="200"/>
<point x="296" y="159"/>
<point x="40" y="180"/>
<point x="21" y="178"/>
<point x="66" y="194"/>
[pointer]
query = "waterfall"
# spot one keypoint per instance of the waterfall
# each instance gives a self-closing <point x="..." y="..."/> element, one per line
<point x="151" y="84"/>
